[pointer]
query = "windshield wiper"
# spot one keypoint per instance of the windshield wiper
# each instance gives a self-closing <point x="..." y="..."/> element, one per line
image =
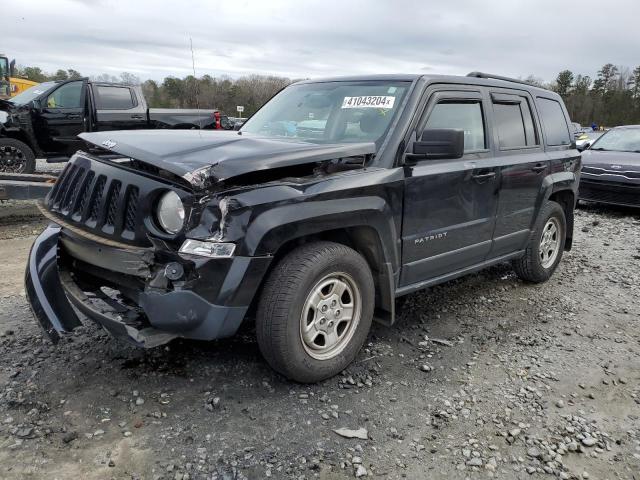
<point x="600" y="149"/>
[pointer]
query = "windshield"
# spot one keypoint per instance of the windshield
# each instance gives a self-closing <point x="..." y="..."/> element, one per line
<point x="31" y="93"/>
<point x="4" y="68"/>
<point x="332" y="112"/>
<point x="619" y="140"/>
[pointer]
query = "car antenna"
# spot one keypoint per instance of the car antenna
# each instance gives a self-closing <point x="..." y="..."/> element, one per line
<point x="193" y="66"/>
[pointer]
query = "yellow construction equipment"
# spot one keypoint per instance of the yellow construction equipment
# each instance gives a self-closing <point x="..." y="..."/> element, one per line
<point x="11" y="86"/>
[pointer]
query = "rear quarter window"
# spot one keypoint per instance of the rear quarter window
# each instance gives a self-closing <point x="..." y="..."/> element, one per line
<point x="554" y="123"/>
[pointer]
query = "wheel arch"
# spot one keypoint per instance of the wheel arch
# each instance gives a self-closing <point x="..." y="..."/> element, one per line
<point x="567" y="200"/>
<point x="22" y="137"/>
<point x="371" y="235"/>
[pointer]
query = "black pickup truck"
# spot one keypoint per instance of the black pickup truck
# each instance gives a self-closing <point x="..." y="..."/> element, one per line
<point x="334" y="199"/>
<point x="45" y="120"/>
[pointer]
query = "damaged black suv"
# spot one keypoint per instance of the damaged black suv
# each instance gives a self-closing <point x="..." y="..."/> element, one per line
<point x="336" y="197"/>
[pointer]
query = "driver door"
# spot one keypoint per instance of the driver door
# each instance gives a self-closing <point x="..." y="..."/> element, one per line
<point x="62" y="118"/>
<point x="450" y="205"/>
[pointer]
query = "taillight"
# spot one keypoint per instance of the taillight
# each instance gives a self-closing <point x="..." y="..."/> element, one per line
<point x="216" y="115"/>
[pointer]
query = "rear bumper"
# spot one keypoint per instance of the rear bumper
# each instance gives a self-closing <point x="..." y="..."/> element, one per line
<point x="609" y="191"/>
<point x="144" y="308"/>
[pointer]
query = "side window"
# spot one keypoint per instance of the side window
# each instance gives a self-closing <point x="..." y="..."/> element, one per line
<point x="466" y="116"/>
<point x="510" y="125"/>
<point x="514" y="124"/>
<point x="114" y="98"/>
<point x="68" y="95"/>
<point x="554" y="123"/>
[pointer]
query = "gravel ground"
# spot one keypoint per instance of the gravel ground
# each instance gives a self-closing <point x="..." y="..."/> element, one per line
<point x="483" y="377"/>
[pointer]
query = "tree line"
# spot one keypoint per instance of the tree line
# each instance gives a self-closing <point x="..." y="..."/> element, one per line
<point x="224" y="93"/>
<point x="612" y="98"/>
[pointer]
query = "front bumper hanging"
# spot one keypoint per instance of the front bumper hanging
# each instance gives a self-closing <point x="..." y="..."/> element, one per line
<point x="151" y="316"/>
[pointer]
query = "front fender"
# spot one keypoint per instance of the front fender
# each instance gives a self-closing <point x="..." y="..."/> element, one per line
<point x="282" y="224"/>
<point x="365" y="205"/>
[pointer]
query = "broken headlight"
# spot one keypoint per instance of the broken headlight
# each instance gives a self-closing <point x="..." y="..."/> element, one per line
<point x="208" y="249"/>
<point x="170" y="213"/>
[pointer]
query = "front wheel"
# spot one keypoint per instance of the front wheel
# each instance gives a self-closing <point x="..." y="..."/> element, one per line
<point x="16" y="157"/>
<point x="315" y="311"/>
<point x="545" y="247"/>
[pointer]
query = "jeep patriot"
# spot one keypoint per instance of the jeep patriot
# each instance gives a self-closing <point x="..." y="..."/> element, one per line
<point x="335" y="198"/>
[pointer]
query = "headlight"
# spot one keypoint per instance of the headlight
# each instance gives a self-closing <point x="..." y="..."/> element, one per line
<point x="208" y="249"/>
<point x="170" y="212"/>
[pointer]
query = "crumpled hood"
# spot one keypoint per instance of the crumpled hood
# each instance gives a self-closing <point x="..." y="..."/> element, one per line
<point x="218" y="155"/>
<point x="624" y="161"/>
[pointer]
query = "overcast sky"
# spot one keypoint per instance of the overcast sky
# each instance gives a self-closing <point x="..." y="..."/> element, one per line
<point x="312" y="38"/>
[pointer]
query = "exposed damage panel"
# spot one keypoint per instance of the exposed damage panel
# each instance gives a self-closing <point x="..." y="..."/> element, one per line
<point x="201" y="157"/>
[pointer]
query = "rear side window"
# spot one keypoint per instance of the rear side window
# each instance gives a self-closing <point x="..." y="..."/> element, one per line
<point x="466" y="116"/>
<point x="514" y="124"/>
<point x="114" y="98"/>
<point x="554" y="123"/>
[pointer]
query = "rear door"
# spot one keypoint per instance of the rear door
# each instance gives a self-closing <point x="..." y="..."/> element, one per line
<point x="62" y="118"/>
<point x="450" y="205"/>
<point x="118" y="107"/>
<point x="523" y="167"/>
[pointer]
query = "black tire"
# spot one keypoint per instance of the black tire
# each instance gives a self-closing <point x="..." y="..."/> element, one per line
<point x="12" y="151"/>
<point x="530" y="267"/>
<point x="285" y="293"/>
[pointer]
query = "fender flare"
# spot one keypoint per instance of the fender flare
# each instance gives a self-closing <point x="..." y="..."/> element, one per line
<point x="272" y="229"/>
<point x="567" y="181"/>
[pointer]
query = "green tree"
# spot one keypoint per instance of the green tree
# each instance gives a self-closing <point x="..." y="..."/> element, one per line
<point x="582" y="84"/>
<point x="74" y="74"/>
<point x="33" y="73"/>
<point x="635" y="79"/>
<point x="564" y="81"/>
<point x="60" y="75"/>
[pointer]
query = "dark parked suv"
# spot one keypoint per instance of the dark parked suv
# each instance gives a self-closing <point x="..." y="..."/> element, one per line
<point x="335" y="198"/>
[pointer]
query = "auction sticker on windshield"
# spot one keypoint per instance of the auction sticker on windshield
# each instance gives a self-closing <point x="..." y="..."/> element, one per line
<point x="371" y="101"/>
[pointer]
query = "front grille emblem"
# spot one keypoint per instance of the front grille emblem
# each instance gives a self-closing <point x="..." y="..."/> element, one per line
<point x="109" y="144"/>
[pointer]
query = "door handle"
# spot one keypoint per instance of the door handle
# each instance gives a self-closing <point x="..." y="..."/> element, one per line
<point x="73" y="116"/>
<point x="138" y="117"/>
<point x="483" y="176"/>
<point x="539" y="168"/>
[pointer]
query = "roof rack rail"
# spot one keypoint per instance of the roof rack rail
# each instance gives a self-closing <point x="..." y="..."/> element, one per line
<point x="497" y="77"/>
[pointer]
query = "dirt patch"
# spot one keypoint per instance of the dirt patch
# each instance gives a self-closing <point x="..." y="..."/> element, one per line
<point x="533" y="381"/>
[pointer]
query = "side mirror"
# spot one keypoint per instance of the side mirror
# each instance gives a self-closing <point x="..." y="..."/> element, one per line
<point x="439" y="144"/>
<point x="12" y="68"/>
<point x="583" y="147"/>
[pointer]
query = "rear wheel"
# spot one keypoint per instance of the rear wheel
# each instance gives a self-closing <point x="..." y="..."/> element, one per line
<point x="16" y="157"/>
<point x="315" y="311"/>
<point x="545" y="247"/>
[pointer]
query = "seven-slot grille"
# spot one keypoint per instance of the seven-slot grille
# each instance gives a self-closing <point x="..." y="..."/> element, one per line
<point x="95" y="201"/>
